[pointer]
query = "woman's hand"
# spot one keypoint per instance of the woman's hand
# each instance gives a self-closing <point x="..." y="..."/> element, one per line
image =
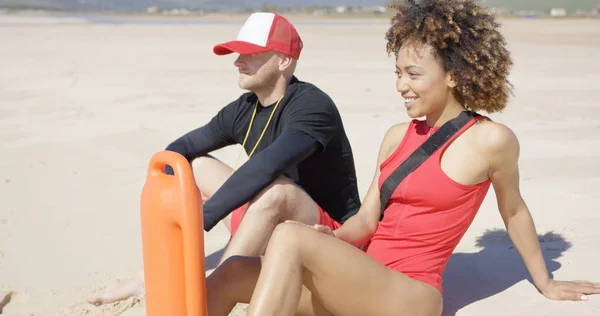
<point x="570" y="290"/>
<point x="322" y="228"/>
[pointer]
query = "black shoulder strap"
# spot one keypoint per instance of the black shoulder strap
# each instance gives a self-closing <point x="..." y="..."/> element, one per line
<point x="431" y="145"/>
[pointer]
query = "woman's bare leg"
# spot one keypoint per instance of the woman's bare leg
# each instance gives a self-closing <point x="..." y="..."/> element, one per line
<point x="346" y="280"/>
<point x="234" y="281"/>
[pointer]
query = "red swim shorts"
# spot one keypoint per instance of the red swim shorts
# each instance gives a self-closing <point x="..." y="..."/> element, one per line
<point x="324" y="219"/>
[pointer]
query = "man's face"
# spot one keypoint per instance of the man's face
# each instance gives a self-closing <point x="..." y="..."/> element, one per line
<point x="257" y="71"/>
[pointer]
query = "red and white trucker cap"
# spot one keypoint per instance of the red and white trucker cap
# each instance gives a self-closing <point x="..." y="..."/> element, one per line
<point x="264" y="32"/>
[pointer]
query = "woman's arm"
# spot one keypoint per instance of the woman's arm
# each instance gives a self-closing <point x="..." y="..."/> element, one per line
<point x="358" y="229"/>
<point x="503" y="149"/>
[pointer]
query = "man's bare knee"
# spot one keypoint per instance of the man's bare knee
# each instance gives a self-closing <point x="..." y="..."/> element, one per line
<point x="205" y="162"/>
<point x="282" y="200"/>
<point x="210" y="174"/>
<point x="276" y="201"/>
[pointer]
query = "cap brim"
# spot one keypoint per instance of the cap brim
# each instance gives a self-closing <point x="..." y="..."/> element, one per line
<point x="239" y="47"/>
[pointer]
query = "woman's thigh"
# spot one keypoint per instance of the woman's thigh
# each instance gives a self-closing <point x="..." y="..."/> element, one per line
<point x="348" y="282"/>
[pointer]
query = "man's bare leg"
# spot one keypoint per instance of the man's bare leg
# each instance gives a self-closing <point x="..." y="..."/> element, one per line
<point x="210" y="175"/>
<point x="132" y="288"/>
<point x="282" y="200"/>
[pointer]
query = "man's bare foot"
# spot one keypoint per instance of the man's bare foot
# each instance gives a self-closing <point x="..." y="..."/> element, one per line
<point x="133" y="288"/>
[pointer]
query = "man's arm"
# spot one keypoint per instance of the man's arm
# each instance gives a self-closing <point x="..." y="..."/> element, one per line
<point x="217" y="133"/>
<point x="289" y="149"/>
<point x="197" y="143"/>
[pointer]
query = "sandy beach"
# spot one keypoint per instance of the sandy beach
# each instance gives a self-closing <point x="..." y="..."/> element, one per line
<point x="85" y="103"/>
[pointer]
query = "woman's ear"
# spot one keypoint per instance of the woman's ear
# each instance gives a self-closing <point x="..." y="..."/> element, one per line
<point x="450" y="81"/>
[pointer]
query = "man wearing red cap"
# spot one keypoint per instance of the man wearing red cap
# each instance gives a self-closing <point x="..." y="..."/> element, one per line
<point x="300" y="163"/>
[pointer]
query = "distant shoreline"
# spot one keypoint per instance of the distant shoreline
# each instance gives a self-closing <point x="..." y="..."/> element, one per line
<point x="141" y="19"/>
<point x="103" y="17"/>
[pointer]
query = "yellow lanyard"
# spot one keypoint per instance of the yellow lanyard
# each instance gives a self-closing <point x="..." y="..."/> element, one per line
<point x="248" y="132"/>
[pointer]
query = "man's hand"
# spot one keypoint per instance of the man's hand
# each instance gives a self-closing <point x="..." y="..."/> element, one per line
<point x="570" y="290"/>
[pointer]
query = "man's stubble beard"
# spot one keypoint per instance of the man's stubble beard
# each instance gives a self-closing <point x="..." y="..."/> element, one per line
<point x="259" y="81"/>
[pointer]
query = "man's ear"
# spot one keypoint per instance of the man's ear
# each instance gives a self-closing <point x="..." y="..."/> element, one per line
<point x="285" y="62"/>
<point x="450" y="80"/>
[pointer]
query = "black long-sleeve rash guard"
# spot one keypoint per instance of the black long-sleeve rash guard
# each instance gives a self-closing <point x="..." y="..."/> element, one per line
<point x="290" y="148"/>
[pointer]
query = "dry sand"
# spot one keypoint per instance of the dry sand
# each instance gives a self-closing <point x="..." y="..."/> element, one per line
<point x="83" y="106"/>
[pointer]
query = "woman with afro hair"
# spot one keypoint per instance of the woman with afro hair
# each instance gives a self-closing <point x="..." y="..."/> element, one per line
<point x="450" y="59"/>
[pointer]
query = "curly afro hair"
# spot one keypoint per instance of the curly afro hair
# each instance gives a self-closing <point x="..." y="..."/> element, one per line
<point x="466" y="41"/>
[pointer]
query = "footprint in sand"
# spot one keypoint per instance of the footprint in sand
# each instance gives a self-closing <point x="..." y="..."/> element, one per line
<point x="116" y="308"/>
<point x="5" y="299"/>
<point x="13" y="297"/>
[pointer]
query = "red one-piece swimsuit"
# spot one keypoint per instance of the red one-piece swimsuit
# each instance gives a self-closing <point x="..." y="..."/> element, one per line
<point x="427" y="214"/>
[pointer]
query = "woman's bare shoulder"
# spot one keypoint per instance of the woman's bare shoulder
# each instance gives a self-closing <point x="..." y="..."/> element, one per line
<point x="495" y="138"/>
<point x="396" y="132"/>
<point x="394" y="135"/>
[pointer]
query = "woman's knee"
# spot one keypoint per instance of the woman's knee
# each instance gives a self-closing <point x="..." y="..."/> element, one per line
<point x="286" y="236"/>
